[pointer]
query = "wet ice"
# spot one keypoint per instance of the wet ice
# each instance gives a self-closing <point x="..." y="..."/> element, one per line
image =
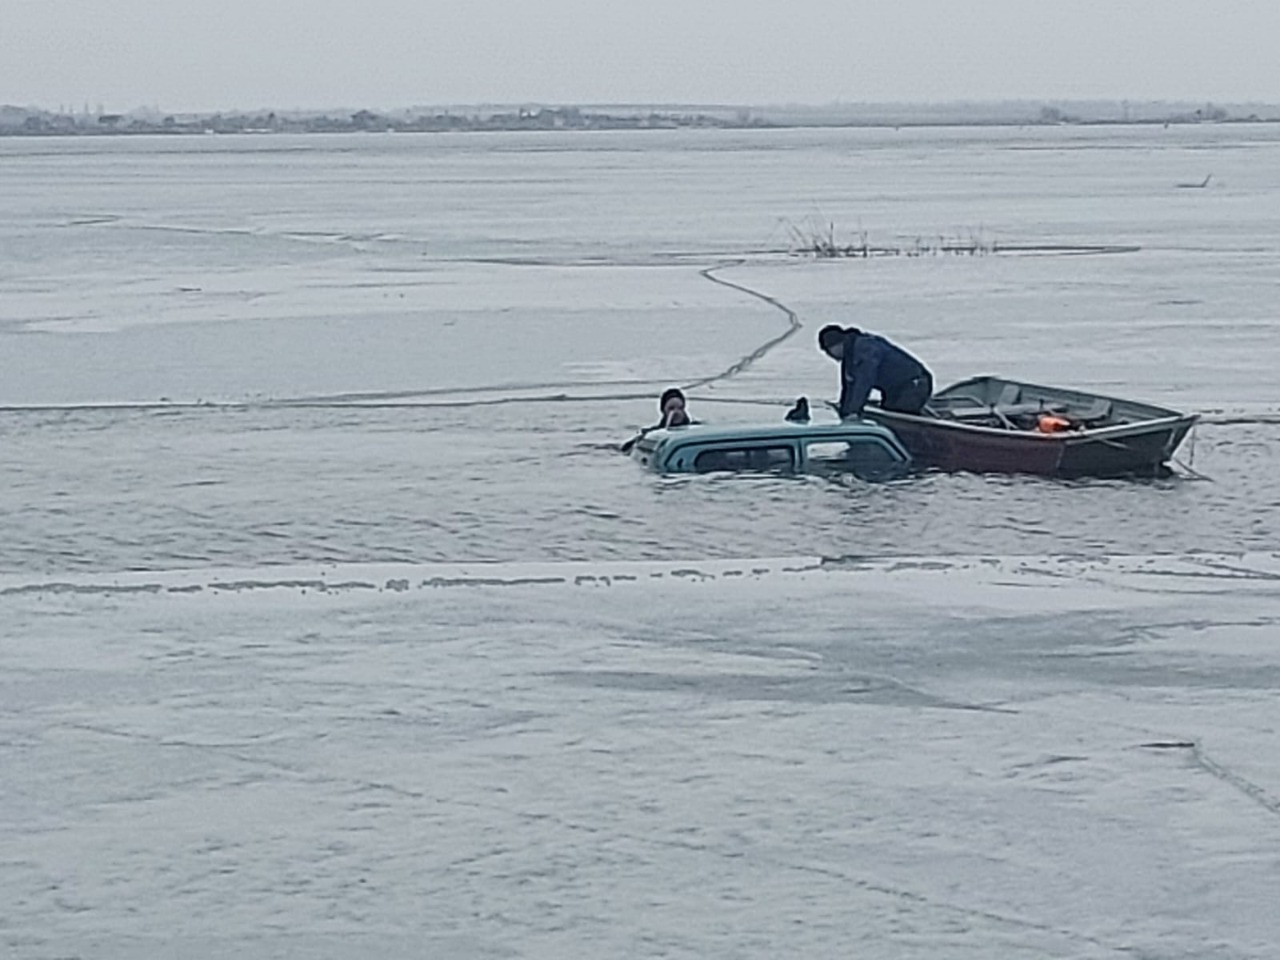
<point x="329" y="625"/>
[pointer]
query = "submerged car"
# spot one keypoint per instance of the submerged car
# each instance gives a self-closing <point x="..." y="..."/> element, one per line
<point x="859" y="447"/>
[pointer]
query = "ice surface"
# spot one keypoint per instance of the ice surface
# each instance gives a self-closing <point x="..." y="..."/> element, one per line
<point x="941" y="757"/>
<point x="332" y="624"/>
<point x="223" y="270"/>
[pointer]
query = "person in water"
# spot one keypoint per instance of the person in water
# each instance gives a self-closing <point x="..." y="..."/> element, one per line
<point x="674" y="410"/>
<point x="870" y="362"/>
<point x="675" y="413"/>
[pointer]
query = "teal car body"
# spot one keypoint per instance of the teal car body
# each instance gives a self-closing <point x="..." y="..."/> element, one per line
<point x="859" y="447"/>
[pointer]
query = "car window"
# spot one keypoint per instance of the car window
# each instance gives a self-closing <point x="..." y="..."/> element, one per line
<point x="745" y="458"/>
<point x="827" y="450"/>
<point x="867" y="458"/>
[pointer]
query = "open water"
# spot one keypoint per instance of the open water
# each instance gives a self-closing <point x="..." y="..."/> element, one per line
<point x="330" y="624"/>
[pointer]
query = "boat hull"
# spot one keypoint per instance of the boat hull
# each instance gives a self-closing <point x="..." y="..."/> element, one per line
<point x="1141" y="446"/>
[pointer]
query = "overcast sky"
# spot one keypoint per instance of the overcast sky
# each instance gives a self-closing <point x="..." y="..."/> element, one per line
<point x="243" y="54"/>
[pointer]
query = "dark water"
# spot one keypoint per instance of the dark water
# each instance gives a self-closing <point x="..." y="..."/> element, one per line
<point x="106" y="490"/>
<point x="506" y="307"/>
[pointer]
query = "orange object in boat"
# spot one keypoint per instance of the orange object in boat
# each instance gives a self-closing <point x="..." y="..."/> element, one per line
<point x="1048" y="423"/>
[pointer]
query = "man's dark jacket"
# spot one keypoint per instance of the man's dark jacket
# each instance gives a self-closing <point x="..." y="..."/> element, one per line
<point x="871" y="362"/>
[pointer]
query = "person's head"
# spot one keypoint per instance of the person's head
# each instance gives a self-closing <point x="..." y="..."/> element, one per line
<point x="832" y="338"/>
<point x="672" y="406"/>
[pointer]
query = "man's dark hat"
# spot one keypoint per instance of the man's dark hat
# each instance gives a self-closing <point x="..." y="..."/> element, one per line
<point x="832" y="334"/>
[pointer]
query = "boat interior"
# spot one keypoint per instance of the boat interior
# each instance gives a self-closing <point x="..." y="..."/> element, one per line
<point x="1009" y="405"/>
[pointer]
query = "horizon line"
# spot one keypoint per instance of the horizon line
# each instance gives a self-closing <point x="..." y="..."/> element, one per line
<point x="66" y="108"/>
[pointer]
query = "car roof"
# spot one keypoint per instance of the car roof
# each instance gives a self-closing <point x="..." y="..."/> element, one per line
<point x="754" y="432"/>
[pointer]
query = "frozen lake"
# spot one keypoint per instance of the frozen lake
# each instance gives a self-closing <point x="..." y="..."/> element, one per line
<point x="331" y="625"/>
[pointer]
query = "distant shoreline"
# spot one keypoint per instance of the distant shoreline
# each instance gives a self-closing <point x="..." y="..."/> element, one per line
<point x="20" y="121"/>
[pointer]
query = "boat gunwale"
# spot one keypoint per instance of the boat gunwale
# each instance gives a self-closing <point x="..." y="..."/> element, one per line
<point x="1066" y="437"/>
<point x="957" y="389"/>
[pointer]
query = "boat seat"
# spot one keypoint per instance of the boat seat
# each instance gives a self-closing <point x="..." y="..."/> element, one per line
<point x="1007" y="407"/>
<point x="1099" y="409"/>
<point x="1040" y="406"/>
<point x="964" y="407"/>
<point x="1007" y="410"/>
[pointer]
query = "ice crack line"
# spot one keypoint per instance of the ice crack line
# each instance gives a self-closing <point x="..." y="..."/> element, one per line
<point x="1210" y="766"/>
<point x="411" y="397"/>
<point x="1250" y="789"/>
<point x="734" y="369"/>
<point x="742" y="363"/>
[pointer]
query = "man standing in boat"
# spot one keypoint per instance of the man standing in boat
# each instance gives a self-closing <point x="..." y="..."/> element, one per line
<point x="870" y="362"/>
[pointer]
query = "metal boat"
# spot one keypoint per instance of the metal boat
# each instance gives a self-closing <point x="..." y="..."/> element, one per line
<point x="993" y="425"/>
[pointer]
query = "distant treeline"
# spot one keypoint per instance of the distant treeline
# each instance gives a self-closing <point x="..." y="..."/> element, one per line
<point x="558" y="118"/>
<point x="21" y="121"/>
